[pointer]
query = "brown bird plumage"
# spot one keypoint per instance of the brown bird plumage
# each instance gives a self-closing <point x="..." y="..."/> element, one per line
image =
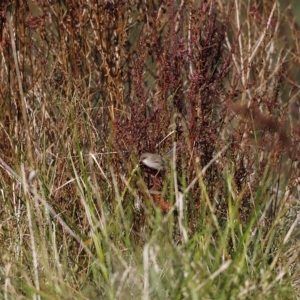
<point x="153" y="161"/>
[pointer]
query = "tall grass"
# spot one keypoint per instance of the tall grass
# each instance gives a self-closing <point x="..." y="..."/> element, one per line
<point x="86" y="87"/>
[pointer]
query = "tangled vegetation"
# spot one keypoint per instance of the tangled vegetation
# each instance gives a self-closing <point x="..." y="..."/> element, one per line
<point x="87" y="87"/>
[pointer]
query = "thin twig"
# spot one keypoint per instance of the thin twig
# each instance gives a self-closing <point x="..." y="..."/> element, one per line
<point x="22" y="98"/>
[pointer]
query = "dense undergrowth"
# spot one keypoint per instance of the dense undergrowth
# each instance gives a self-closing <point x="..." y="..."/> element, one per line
<point x="86" y="87"/>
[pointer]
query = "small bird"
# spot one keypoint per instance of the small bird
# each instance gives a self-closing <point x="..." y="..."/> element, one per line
<point x="153" y="161"/>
